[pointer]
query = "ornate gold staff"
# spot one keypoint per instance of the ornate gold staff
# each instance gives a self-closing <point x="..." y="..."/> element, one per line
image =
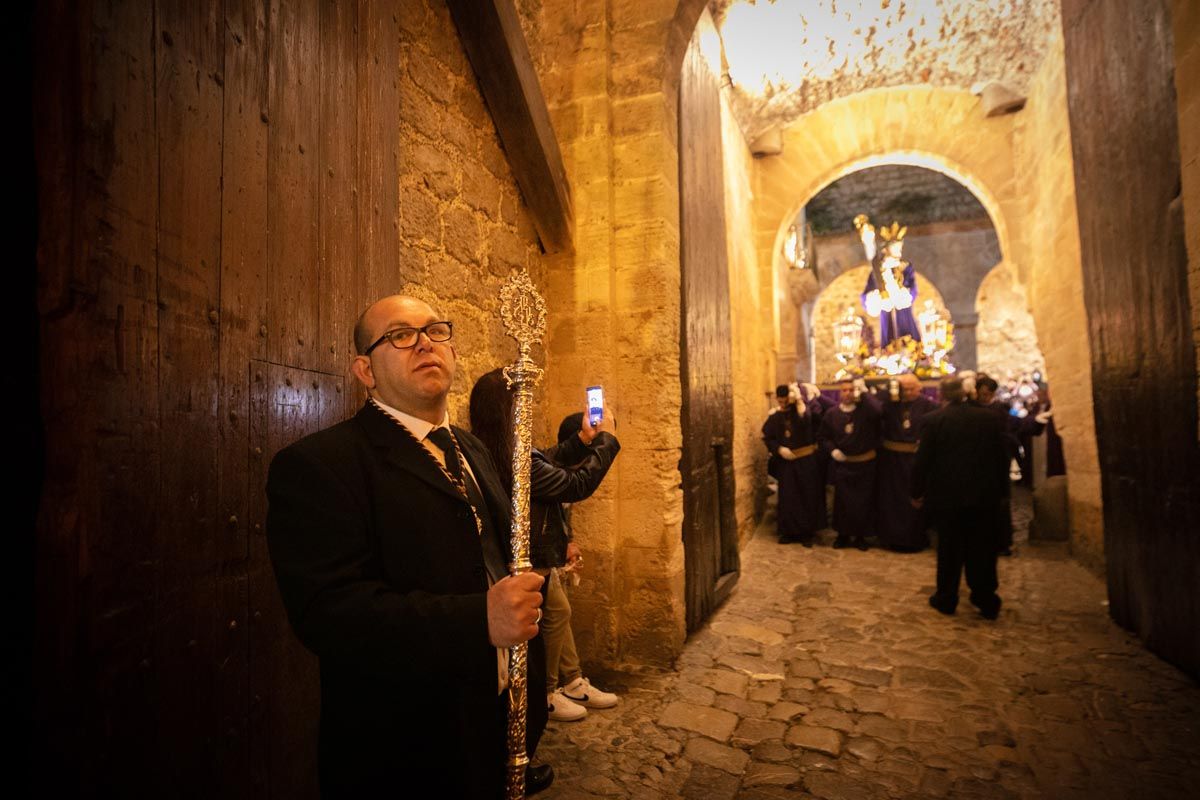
<point x="524" y="315"/>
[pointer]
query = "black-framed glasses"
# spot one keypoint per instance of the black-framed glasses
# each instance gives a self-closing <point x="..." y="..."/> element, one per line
<point x="404" y="338"/>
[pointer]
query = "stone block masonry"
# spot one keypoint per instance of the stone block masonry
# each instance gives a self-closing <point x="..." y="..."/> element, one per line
<point x="463" y="227"/>
<point x="1047" y="262"/>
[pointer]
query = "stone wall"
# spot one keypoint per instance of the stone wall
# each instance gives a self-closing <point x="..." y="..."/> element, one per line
<point x="1047" y="262"/>
<point x="1006" y="341"/>
<point x="614" y="309"/>
<point x="463" y="225"/>
<point x="843" y="292"/>
<point x="1185" y="23"/>
<point x="609" y="70"/>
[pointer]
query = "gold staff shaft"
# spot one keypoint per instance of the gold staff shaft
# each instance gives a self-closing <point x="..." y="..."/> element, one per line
<point x="524" y="315"/>
<point x="518" y="664"/>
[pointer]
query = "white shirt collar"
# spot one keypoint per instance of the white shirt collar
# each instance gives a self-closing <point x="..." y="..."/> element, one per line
<point x="416" y="426"/>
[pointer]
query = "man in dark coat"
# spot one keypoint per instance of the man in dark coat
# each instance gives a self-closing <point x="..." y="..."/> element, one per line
<point x="389" y="537"/>
<point x="901" y="527"/>
<point x="960" y="479"/>
<point x="849" y="433"/>
<point x="985" y="397"/>
<point x="790" y="436"/>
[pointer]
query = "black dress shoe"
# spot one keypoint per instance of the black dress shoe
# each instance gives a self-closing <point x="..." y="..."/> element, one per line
<point x="807" y="542"/>
<point x="988" y="609"/>
<point x="538" y="777"/>
<point x="840" y="542"/>
<point x="861" y="544"/>
<point x="944" y="608"/>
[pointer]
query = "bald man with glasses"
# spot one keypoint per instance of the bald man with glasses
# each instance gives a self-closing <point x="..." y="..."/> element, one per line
<point x="389" y="535"/>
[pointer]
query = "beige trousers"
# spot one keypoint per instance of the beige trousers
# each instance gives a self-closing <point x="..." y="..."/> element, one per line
<point x="562" y="660"/>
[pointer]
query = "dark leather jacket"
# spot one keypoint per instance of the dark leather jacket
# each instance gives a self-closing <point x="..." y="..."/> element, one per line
<point x="566" y="473"/>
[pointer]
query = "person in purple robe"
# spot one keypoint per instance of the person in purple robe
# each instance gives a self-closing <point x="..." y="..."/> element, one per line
<point x="824" y="403"/>
<point x="901" y="527"/>
<point x="790" y="436"/>
<point x="849" y="433"/>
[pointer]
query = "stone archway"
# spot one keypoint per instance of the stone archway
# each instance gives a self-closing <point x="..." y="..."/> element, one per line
<point x="937" y="129"/>
<point x="940" y="129"/>
<point x="1019" y="166"/>
<point x="954" y="248"/>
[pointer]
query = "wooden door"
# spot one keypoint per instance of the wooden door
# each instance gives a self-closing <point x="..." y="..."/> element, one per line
<point x="218" y="191"/>
<point x="706" y="465"/>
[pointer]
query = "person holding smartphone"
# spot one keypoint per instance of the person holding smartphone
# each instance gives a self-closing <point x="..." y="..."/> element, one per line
<point x="568" y="472"/>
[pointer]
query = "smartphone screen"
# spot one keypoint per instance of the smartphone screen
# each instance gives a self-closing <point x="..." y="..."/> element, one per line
<point x="595" y="401"/>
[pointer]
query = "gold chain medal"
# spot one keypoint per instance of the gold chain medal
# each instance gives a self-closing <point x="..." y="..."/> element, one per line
<point x="907" y="421"/>
<point x="458" y="483"/>
<point x="463" y="487"/>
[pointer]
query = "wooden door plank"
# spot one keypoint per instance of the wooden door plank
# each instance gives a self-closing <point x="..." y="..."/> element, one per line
<point x="339" y="305"/>
<point x="293" y="186"/>
<point x="378" y="181"/>
<point x="190" y="640"/>
<point x="1120" y="74"/>
<point x="243" y="310"/>
<point x="242" y="338"/>
<point x="287" y="404"/>
<point x="98" y="339"/>
<point x="709" y="529"/>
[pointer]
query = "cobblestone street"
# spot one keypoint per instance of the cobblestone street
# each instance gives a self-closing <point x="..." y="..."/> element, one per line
<point x="827" y="675"/>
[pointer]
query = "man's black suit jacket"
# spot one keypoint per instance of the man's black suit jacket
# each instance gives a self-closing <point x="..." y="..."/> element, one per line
<point x="962" y="460"/>
<point x="382" y="574"/>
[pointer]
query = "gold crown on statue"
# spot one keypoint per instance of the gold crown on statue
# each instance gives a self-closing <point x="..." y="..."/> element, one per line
<point x="893" y="233"/>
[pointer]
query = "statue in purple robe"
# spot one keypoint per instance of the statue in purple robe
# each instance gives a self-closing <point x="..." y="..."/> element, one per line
<point x="892" y="285"/>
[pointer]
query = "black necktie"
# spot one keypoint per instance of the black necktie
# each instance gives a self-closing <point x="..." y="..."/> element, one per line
<point x="445" y="442"/>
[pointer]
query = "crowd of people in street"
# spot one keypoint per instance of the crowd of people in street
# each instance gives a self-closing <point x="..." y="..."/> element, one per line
<point x="388" y="534"/>
<point x="901" y="464"/>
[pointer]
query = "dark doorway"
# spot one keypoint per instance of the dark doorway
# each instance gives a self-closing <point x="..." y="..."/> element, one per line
<point x="706" y="466"/>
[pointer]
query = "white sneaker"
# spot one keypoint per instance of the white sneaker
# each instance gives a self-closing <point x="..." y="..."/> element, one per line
<point x="562" y="709"/>
<point x="582" y="692"/>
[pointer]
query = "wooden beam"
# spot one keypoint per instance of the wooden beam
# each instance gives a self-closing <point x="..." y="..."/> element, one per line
<point x="495" y="45"/>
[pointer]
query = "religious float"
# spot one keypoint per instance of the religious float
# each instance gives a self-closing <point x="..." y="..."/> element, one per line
<point x="920" y="344"/>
